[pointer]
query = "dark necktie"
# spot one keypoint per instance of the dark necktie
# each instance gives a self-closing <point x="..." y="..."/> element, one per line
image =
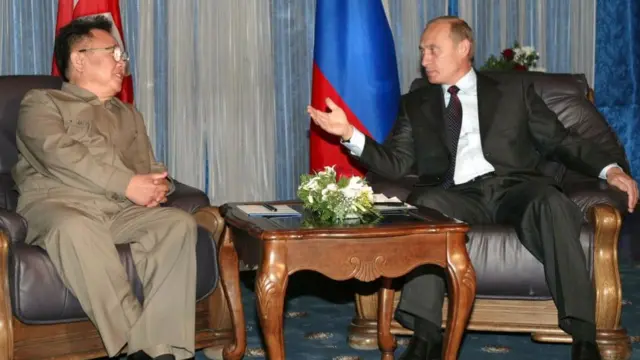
<point x="453" y="119"/>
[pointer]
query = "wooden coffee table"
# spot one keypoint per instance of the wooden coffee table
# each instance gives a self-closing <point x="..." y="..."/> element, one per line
<point x="388" y="249"/>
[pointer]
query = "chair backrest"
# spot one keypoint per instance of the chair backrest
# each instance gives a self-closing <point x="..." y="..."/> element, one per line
<point x="12" y="90"/>
<point x="568" y="95"/>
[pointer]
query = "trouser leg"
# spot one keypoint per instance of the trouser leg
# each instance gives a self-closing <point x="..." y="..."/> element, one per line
<point x="424" y="289"/>
<point x="163" y="242"/>
<point x="81" y="249"/>
<point x="548" y="225"/>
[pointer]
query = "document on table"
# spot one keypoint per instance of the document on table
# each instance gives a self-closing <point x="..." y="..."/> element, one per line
<point x="383" y="203"/>
<point x="268" y="210"/>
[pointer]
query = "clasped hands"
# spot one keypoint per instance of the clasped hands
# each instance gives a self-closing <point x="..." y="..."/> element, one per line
<point x="148" y="190"/>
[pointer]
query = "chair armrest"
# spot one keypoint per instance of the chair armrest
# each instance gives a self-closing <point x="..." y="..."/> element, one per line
<point x="8" y="194"/>
<point x="589" y="193"/>
<point x="186" y="198"/>
<point x="14" y="225"/>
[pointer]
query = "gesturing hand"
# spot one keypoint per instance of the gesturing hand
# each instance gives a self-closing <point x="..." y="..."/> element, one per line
<point x="334" y="122"/>
<point x="617" y="178"/>
<point x="146" y="189"/>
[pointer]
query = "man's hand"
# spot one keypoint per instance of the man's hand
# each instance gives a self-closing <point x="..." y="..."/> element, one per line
<point x="161" y="195"/>
<point x="148" y="189"/>
<point x="334" y="122"/>
<point x="617" y="178"/>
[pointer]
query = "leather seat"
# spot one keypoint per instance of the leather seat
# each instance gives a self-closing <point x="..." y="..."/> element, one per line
<point x="37" y="294"/>
<point x="505" y="269"/>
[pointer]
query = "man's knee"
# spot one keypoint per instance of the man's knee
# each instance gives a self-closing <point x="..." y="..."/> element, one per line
<point x="434" y="198"/>
<point x="76" y="228"/>
<point x="551" y="200"/>
<point x="177" y="218"/>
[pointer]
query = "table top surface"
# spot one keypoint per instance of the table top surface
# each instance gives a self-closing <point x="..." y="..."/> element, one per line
<point x="392" y="223"/>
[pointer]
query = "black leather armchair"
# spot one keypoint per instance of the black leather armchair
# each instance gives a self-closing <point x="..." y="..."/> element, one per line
<point x="39" y="317"/>
<point x="512" y="294"/>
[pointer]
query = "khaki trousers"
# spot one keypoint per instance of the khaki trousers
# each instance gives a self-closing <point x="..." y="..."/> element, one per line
<point x="80" y="237"/>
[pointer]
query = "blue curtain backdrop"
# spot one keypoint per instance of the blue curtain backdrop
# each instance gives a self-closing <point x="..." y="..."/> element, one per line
<point x="617" y="75"/>
<point x="27" y="32"/>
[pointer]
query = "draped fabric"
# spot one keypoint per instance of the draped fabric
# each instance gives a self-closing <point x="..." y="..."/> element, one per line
<point x="203" y="78"/>
<point x="617" y="80"/>
<point x="223" y="85"/>
<point x="293" y="22"/>
<point x="206" y="87"/>
<point x="27" y="31"/>
<point x="408" y="19"/>
<point x="562" y="31"/>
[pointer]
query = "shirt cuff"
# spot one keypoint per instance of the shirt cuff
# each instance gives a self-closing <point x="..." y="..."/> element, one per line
<point x="356" y="143"/>
<point x="603" y="173"/>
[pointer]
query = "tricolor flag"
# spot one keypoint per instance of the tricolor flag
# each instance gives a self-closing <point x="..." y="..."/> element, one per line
<point x="72" y="9"/>
<point x="355" y="65"/>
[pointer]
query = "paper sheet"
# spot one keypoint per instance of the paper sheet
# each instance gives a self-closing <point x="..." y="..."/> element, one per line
<point x="380" y="199"/>
<point x="259" y="210"/>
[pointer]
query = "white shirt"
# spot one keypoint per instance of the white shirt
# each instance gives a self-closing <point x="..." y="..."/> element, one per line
<point x="470" y="161"/>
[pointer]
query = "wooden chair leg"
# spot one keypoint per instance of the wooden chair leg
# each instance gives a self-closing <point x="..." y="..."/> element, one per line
<point x="6" y="314"/>
<point x="612" y="338"/>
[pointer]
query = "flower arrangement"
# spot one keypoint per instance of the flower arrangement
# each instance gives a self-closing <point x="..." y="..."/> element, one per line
<point x="521" y="58"/>
<point x="334" y="200"/>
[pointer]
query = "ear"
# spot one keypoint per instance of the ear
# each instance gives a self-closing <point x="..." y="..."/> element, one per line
<point x="464" y="47"/>
<point x="76" y="62"/>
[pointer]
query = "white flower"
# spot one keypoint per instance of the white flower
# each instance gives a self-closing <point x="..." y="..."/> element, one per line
<point x="535" y="68"/>
<point x="311" y="184"/>
<point x="528" y="50"/>
<point x="349" y="193"/>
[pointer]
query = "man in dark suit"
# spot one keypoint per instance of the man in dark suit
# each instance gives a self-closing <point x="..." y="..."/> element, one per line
<point x="481" y="141"/>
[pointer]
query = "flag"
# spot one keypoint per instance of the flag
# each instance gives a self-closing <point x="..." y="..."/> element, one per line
<point x="355" y="65"/>
<point x="73" y="9"/>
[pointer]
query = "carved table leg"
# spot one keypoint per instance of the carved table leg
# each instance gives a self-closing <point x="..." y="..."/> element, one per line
<point x="462" y="291"/>
<point x="271" y="286"/>
<point x="386" y="341"/>
<point x="230" y="279"/>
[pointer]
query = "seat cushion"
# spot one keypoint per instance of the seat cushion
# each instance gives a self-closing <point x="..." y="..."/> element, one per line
<point x="505" y="269"/>
<point x="38" y="296"/>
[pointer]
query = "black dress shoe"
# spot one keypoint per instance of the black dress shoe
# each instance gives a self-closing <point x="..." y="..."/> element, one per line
<point x="138" y="355"/>
<point x="141" y="355"/>
<point x="585" y="350"/>
<point x="420" y="349"/>
<point x="165" y="357"/>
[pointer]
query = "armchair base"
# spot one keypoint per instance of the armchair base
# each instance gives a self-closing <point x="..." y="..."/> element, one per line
<point x="80" y="340"/>
<point x="516" y="316"/>
<point x="538" y="317"/>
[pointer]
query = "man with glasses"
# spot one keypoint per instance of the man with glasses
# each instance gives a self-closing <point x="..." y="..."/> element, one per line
<point x="88" y="180"/>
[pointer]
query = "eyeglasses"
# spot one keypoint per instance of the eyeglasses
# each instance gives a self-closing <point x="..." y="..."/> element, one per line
<point x="116" y="51"/>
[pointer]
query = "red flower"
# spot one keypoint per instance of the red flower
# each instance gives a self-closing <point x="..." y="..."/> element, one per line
<point x="508" y="54"/>
<point x="519" y="67"/>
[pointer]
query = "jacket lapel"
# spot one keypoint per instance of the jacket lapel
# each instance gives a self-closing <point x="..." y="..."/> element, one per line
<point x="488" y="97"/>
<point x="433" y="108"/>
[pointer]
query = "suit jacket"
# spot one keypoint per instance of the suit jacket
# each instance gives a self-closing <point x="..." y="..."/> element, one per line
<point x="71" y="142"/>
<point x="517" y="130"/>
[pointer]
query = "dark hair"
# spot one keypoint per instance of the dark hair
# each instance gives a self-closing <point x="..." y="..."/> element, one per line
<point x="71" y="34"/>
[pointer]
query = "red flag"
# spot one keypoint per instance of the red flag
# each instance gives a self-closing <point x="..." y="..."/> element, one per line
<point x="73" y="9"/>
<point x="354" y="64"/>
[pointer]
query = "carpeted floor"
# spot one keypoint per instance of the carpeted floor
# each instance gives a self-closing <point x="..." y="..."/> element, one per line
<point x="318" y="312"/>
